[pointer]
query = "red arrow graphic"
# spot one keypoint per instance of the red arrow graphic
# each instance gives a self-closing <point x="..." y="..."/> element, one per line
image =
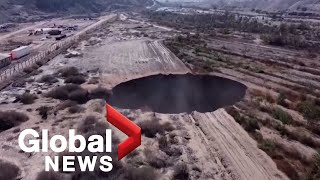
<point x="126" y="126"/>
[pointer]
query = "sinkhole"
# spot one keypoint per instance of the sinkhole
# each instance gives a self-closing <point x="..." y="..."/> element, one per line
<point x="173" y="94"/>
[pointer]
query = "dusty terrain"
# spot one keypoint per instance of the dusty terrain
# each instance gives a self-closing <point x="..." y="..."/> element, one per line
<point x="207" y="145"/>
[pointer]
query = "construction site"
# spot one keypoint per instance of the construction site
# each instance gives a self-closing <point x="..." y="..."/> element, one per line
<point x="209" y="106"/>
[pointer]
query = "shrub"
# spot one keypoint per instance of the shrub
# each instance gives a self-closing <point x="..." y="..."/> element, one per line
<point x="163" y="143"/>
<point x="100" y="93"/>
<point x="40" y="63"/>
<point x="16" y="130"/>
<point x="58" y="93"/>
<point x="144" y="173"/>
<point x="78" y="79"/>
<point x="281" y="115"/>
<point x="248" y="123"/>
<point x="165" y="146"/>
<point x="156" y="159"/>
<point x="267" y="145"/>
<point x="43" y="112"/>
<point x="79" y="95"/>
<point x="19" y="83"/>
<point x="309" y="110"/>
<point x="27" y="98"/>
<point x="251" y="125"/>
<point x="269" y="97"/>
<point x="157" y="162"/>
<point x="35" y="67"/>
<point x="281" y="100"/>
<point x="28" y="70"/>
<point x="36" y="72"/>
<point x="96" y="106"/>
<point x="44" y="175"/>
<point x="71" y="87"/>
<point x="49" y="79"/>
<point x="9" y="119"/>
<point x="314" y="174"/>
<point x="75" y="109"/>
<point x="181" y="172"/>
<point x="93" y="80"/>
<point x="8" y="171"/>
<point x="173" y="151"/>
<point x="151" y="128"/>
<point x="66" y="104"/>
<point x="167" y="126"/>
<point x="234" y="113"/>
<point x="68" y="71"/>
<point x="63" y="92"/>
<point x="91" y="124"/>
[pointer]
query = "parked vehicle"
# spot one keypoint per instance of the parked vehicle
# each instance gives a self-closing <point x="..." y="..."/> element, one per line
<point x="20" y="52"/>
<point x="61" y="37"/>
<point x="54" y="32"/>
<point x="5" y="60"/>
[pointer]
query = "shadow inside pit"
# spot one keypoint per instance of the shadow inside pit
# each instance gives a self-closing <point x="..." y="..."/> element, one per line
<point x="177" y="93"/>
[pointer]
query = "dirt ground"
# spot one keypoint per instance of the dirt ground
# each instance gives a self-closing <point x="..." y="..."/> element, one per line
<point x="213" y="144"/>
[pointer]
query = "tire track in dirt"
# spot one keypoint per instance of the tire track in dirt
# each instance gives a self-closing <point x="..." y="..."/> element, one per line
<point x="208" y="151"/>
<point x="238" y="150"/>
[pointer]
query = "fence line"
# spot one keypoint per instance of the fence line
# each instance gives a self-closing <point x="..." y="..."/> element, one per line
<point x="52" y="51"/>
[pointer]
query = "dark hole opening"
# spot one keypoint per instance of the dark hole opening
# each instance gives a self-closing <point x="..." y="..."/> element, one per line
<point x="177" y="93"/>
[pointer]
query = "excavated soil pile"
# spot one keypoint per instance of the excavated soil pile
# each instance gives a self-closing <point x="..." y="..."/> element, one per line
<point x="177" y="93"/>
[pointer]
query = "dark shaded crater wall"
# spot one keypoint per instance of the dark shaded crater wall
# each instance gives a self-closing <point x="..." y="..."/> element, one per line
<point x="177" y="93"/>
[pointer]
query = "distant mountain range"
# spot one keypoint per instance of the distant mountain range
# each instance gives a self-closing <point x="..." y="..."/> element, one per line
<point x="22" y="10"/>
<point x="269" y="5"/>
<point x="290" y="5"/>
<point x="26" y="10"/>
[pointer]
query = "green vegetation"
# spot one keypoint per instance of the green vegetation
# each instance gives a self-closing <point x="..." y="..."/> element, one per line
<point x="250" y="124"/>
<point x="310" y="110"/>
<point x="78" y="79"/>
<point x="267" y="145"/>
<point x="181" y="172"/>
<point x="27" y="98"/>
<point x="226" y="22"/>
<point x="281" y="100"/>
<point x="152" y="128"/>
<point x="10" y="119"/>
<point x="281" y="115"/>
<point x="314" y="174"/>
<point x="293" y="35"/>
<point x="44" y="111"/>
<point x="68" y="71"/>
<point x="48" y="79"/>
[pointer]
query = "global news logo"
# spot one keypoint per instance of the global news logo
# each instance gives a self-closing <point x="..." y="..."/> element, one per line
<point x="76" y="143"/>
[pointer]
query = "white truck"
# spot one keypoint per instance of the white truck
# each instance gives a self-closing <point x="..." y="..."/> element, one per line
<point x="20" y="52"/>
